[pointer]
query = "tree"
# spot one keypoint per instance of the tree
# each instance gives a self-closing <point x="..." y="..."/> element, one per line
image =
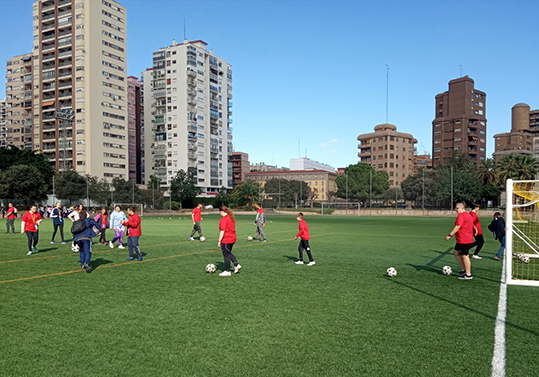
<point x="518" y="167"/>
<point x="182" y="187"/>
<point x="245" y="193"/>
<point x="486" y="172"/>
<point x="412" y="186"/>
<point x="125" y="191"/>
<point x="223" y="198"/>
<point x="12" y="156"/>
<point x="393" y="193"/>
<point x="70" y="185"/>
<point x="99" y="189"/>
<point x="291" y="191"/>
<point x="357" y="179"/>
<point x="23" y="182"/>
<point x="312" y="195"/>
<point x="466" y="187"/>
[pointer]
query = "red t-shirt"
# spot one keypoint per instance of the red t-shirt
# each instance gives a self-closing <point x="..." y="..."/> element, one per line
<point x="476" y="222"/>
<point x="303" y="231"/>
<point x="11" y="213"/>
<point x="260" y="210"/>
<point x="465" y="233"/>
<point x="31" y="220"/>
<point x="197" y="214"/>
<point x="229" y="227"/>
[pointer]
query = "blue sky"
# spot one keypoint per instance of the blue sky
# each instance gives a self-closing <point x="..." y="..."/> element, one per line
<point x="315" y="71"/>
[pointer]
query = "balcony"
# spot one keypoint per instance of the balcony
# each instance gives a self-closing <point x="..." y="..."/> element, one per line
<point x="48" y="47"/>
<point x="66" y="12"/>
<point x="63" y="3"/>
<point x="65" y="84"/>
<point x="48" y="127"/>
<point x="191" y="82"/>
<point x="191" y="100"/>
<point x="48" y="57"/>
<point x="66" y="63"/>
<point x="48" y="27"/>
<point x="48" y="136"/>
<point x="48" y="87"/>
<point x="48" y="17"/>
<point x="49" y="147"/>
<point x="192" y="128"/>
<point x="65" y="93"/>
<point x="64" y="54"/>
<point x="191" y="73"/>
<point x="65" y="73"/>
<point x="47" y="37"/>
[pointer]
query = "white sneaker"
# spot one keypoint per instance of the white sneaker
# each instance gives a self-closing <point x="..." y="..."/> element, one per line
<point x="237" y="269"/>
<point x="121" y="247"/>
<point x="111" y="245"/>
<point x="476" y="256"/>
<point x="311" y="263"/>
<point x="191" y="239"/>
<point x="29" y="253"/>
<point x="298" y="262"/>
<point x="225" y="273"/>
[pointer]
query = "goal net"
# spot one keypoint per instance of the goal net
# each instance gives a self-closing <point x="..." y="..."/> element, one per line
<point x="522" y="233"/>
<point x="139" y="208"/>
<point x="341" y="208"/>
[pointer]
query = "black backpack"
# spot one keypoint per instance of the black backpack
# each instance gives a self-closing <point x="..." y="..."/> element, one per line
<point x="78" y="226"/>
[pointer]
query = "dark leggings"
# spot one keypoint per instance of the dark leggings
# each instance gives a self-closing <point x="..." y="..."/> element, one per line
<point x="304" y="245"/>
<point x="479" y="242"/>
<point x="56" y="226"/>
<point x="102" y="238"/>
<point x="226" y="248"/>
<point x="33" y="239"/>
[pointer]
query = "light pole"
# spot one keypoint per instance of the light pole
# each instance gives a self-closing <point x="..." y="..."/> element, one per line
<point x="423" y="204"/>
<point x="279" y="192"/>
<point x="370" y="191"/>
<point x="87" y="193"/>
<point x="451" y="205"/>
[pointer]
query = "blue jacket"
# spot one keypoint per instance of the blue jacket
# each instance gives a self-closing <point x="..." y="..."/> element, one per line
<point x="57" y="216"/>
<point x="89" y="232"/>
<point x="116" y="219"/>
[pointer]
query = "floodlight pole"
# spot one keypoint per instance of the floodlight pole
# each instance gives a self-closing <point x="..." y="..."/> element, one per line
<point x="87" y="193"/>
<point x="423" y="204"/>
<point x="451" y="205"/>
<point x="370" y="191"/>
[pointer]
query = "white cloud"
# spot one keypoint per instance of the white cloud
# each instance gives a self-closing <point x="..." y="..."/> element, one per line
<point x="328" y="147"/>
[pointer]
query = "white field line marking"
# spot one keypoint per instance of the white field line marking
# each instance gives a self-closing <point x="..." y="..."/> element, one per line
<point x="498" y="357"/>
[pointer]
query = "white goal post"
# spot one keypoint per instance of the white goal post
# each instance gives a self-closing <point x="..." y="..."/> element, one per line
<point x="522" y="232"/>
<point x="342" y="208"/>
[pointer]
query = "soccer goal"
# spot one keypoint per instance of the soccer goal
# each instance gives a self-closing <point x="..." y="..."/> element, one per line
<point x="522" y="233"/>
<point x="341" y="208"/>
<point x="139" y="208"/>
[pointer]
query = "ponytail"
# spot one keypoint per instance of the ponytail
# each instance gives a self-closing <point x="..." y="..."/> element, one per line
<point x="228" y="211"/>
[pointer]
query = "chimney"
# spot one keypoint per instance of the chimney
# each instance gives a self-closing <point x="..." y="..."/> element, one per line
<point x="174" y="42"/>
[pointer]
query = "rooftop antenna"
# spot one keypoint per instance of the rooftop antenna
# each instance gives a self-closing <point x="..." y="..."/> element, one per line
<point x="387" y="93"/>
<point x="299" y="148"/>
<point x="460" y="70"/>
<point x="184" y="34"/>
<point x="305" y="152"/>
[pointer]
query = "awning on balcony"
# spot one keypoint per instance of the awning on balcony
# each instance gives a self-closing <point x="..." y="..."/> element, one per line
<point x="47" y="103"/>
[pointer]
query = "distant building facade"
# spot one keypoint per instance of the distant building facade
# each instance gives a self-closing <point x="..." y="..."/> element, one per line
<point x="460" y="124"/>
<point x="388" y="150"/>
<point x="261" y="166"/>
<point x="422" y="161"/>
<point x="135" y="105"/>
<point x="3" y="128"/>
<point x="304" y="163"/>
<point x="240" y="167"/>
<point x="522" y="137"/>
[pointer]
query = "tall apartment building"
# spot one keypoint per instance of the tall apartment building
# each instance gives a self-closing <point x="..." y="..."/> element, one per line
<point x="524" y="131"/>
<point x="3" y="128"/>
<point x="79" y="63"/>
<point x="388" y="150"/>
<point x="135" y="105"/>
<point x="422" y="161"/>
<point x="304" y="163"/>
<point x="19" y="102"/>
<point x="460" y="124"/>
<point x="187" y="96"/>
<point x="240" y="167"/>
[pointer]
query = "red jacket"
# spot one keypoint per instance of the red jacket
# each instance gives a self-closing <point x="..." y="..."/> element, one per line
<point x="133" y="225"/>
<point x="303" y="231"/>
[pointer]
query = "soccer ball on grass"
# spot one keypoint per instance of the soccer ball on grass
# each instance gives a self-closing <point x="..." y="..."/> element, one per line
<point x="249" y="238"/>
<point x="447" y="270"/>
<point x="202" y="239"/>
<point x="210" y="268"/>
<point x="391" y="272"/>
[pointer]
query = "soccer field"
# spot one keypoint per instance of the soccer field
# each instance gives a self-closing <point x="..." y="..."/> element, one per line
<point x="165" y="316"/>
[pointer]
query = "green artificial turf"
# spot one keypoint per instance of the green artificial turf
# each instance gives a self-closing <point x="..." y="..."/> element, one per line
<point x="342" y="317"/>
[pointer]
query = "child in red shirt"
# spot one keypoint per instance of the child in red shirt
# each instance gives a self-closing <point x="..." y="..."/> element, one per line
<point x="133" y="234"/>
<point x="227" y="239"/>
<point x="30" y="226"/>
<point x="196" y="215"/>
<point x="304" y="243"/>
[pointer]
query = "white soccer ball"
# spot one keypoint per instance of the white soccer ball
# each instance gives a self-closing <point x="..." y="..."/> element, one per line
<point x="210" y="268"/>
<point x="525" y="259"/>
<point x="520" y="255"/>
<point x="202" y="239"/>
<point x="391" y="272"/>
<point x="249" y="238"/>
<point x="75" y="248"/>
<point x="447" y="270"/>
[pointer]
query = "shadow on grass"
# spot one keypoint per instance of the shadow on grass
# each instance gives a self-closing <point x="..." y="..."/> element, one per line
<point x="491" y="317"/>
<point x="293" y="259"/>
<point x="419" y="267"/>
<point x="47" y="249"/>
<point x="99" y="262"/>
<point x="441" y="256"/>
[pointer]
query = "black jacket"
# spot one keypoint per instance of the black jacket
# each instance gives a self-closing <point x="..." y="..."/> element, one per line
<point x="497" y="226"/>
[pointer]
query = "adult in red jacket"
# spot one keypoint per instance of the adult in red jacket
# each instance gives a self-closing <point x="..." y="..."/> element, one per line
<point x="30" y="225"/>
<point x="133" y="233"/>
<point x="10" y="218"/>
<point x="227" y="239"/>
<point x="304" y="243"/>
<point x="464" y="231"/>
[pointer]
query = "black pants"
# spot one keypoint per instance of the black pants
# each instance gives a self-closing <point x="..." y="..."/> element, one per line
<point x="226" y="248"/>
<point x="479" y="242"/>
<point x="196" y="228"/>
<point x="56" y="226"/>
<point x="304" y="245"/>
<point x="33" y="239"/>
<point x="10" y="223"/>
<point x="102" y="238"/>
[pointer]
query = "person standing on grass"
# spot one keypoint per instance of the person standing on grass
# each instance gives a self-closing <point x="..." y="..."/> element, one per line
<point x="497" y="226"/>
<point x="30" y="226"/>
<point x="116" y="219"/>
<point x="479" y="240"/>
<point x="58" y="222"/>
<point x="102" y="219"/>
<point x="464" y="231"/>
<point x="84" y="240"/>
<point x="227" y="239"/>
<point x="133" y="234"/>
<point x="11" y="213"/>
<point x="304" y="242"/>
<point x="196" y="215"/>
<point x="74" y="215"/>
<point x="260" y="222"/>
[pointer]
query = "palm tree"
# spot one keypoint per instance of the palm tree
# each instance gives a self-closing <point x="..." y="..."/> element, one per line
<point x="518" y="167"/>
<point x="486" y="172"/>
<point x="528" y="166"/>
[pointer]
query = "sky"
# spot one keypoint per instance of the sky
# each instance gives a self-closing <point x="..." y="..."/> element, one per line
<point x="310" y="76"/>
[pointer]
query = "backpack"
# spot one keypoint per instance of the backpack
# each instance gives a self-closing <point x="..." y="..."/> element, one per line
<point x="78" y="226"/>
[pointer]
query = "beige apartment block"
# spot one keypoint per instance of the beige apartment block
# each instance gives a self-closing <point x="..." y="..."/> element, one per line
<point x="388" y="150"/>
<point x="18" y="102"/>
<point x="80" y="63"/>
<point x="522" y="139"/>
<point x="187" y="95"/>
<point x="240" y="166"/>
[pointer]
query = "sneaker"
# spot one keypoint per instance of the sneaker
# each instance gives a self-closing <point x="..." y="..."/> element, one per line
<point x="35" y="250"/>
<point x="311" y="263"/>
<point x="140" y="259"/>
<point x="64" y="243"/>
<point x="53" y="242"/>
<point x="225" y="273"/>
<point x="29" y="253"/>
<point x="129" y="259"/>
<point x="111" y="245"/>
<point x="265" y="241"/>
<point x="191" y="239"/>
<point x="121" y="247"/>
<point x="465" y="277"/>
<point x="462" y="273"/>
<point x="496" y="258"/>
<point x="237" y="269"/>
<point x="87" y="268"/>
<point x="476" y="257"/>
<point x="298" y="262"/>
<point x="100" y="243"/>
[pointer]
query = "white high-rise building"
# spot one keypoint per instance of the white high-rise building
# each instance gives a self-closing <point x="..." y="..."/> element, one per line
<point x="187" y="97"/>
<point x="304" y="163"/>
<point x="80" y="63"/>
